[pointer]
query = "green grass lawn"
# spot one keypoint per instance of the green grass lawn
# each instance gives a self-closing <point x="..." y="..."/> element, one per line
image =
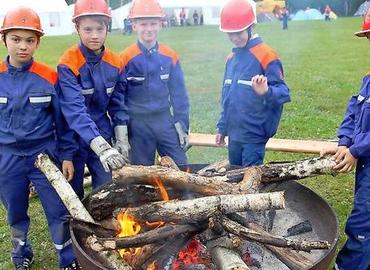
<point x="324" y="65"/>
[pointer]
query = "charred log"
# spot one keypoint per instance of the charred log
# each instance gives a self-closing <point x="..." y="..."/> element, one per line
<point x="102" y="202"/>
<point x="249" y="234"/>
<point x="145" y="238"/>
<point x="167" y="253"/>
<point x="292" y="259"/>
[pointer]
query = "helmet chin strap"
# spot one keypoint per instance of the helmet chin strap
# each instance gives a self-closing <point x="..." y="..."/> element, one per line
<point x="249" y="31"/>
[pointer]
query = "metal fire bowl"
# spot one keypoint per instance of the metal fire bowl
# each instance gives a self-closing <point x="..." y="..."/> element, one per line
<point x="302" y="201"/>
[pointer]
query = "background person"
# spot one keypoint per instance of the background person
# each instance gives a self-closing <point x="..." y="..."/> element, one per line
<point x="30" y="122"/>
<point x="253" y="91"/>
<point x="92" y="96"/>
<point x="354" y="151"/>
<point x="156" y="97"/>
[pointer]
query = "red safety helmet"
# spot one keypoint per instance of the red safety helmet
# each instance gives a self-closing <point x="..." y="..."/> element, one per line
<point x="365" y="25"/>
<point x="22" y="18"/>
<point x="238" y="15"/>
<point x="91" y="8"/>
<point x="146" y="9"/>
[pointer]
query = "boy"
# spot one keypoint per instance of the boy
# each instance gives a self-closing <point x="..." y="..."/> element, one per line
<point x="92" y="96"/>
<point x="155" y="87"/>
<point x="354" y="147"/>
<point x="30" y="120"/>
<point x="253" y="91"/>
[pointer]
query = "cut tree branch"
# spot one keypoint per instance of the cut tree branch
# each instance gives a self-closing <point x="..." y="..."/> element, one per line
<point x="75" y="206"/>
<point x="249" y="234"/>
<point x="145" y="238"/>
<point x="190" y="211"/>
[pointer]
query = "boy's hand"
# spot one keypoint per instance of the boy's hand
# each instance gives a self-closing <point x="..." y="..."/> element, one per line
<point x="259" y="84"/>
<point x="345" y="161"/>
<point x="68" y="169"/>
<point x="329" y="151"/>
<point x="220" y="139"/>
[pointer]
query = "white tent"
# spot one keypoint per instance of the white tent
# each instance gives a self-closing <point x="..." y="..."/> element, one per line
<point x="55" y="14"/>
<point x="308" y="14"/>
<point x="210" y="9"/>
<point x="363" y="8"/>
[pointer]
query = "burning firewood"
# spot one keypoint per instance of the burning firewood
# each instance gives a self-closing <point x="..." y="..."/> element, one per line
<point x="190" y="211"/>
<point x="145" y="238"/>
<point x="75" y="206"/>
<point x="221" y="247"/>
<point x="249" y="234"/>
<point x="217" y="185"/>
<point x="293" y="260"/>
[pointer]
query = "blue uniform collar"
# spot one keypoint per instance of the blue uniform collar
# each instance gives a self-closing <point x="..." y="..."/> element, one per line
<point x="89" y="55"/>
<point x="24" y="67"/>
<point x="250" y="44"/>
<point x="146" y="51"/>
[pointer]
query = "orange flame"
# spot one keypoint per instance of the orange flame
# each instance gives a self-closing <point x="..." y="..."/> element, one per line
<point x="157" y="181"/>
<point x="151" y="266"/>
<point x="164" y="195"/>
<point x="129" y="227"/>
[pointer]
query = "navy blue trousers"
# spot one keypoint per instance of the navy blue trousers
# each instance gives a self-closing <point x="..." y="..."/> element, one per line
<point x="355" y="254"/>
<point x="99" y="177"/>
<point x="16" y="173"/>
<point x="246" y="154"/>
<point x="154" y="133"/>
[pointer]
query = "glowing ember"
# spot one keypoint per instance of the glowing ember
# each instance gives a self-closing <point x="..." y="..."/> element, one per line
<point x="193" y="253"/>
<point x="129" y="227"/>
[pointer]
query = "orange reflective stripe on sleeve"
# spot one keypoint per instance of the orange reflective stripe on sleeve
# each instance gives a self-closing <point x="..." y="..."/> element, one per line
<point x="74" y="59"/>
<point x="164" y="50"/>
<point x="44" y="72"/>
<point x="3" y="67"/>
<point x="264" y="54"/>
<point x="129" y="53"/>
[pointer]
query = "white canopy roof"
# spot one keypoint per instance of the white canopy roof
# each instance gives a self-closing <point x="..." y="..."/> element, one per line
<point x="55" y="15"/>
<point x="38" y="5"/>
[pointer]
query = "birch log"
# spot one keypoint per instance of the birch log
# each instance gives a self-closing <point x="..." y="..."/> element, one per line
<point x="218" y="184"/>
<point x="63" y="188"/>
<point x="75" y="206"/>
<point x="227" y="259"/>
<point x="190" y="211"/>
<point x="295" y="170"/>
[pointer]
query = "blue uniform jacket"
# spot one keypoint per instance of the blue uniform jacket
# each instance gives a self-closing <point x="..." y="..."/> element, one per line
<point x="155" y="82"/>
<point x="30" y="115"/>
<point x="246" y="117"/>
<point x="354" y="132"/>
<point x="92" y="85"/>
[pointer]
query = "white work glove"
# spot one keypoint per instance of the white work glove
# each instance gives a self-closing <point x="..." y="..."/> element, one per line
<point x="122" y="145"/>
<point x="183" y="136"/>
<point x="109" y="157"/>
